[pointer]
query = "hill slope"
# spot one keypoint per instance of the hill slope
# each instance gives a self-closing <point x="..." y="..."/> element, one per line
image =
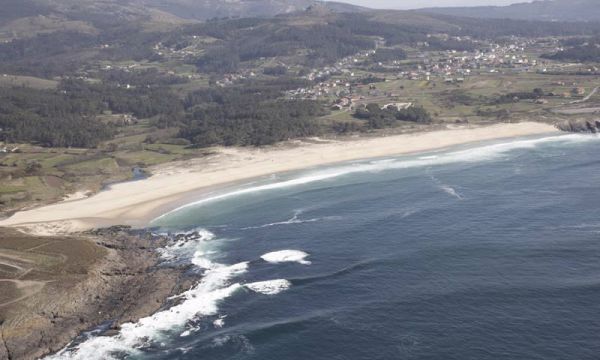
<point x="550" y="10"/>
<point x="207" y="9"/>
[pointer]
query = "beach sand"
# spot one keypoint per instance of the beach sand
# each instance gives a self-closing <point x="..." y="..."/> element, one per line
<point x="136" y="203"/>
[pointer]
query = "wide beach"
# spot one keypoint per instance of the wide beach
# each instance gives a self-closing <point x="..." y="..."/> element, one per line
<point x="136" y="203"/>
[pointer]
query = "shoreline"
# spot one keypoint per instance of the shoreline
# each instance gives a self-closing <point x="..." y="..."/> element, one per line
<point x="115" y="278"/>
<point x="171" y="185"/>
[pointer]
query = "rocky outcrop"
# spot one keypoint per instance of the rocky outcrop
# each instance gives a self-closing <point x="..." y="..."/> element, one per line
<point x="580" y="126"/>
<point x="115" y="278"/>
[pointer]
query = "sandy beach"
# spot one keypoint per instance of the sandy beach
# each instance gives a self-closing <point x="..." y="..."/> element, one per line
<point x="136" y="203"/>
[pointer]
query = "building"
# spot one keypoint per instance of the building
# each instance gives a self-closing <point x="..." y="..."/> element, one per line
<point x="397" y="106"/>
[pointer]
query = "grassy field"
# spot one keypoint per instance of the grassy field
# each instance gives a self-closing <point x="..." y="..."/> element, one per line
<point x="35" y="175"/>
<point x="29" y="263"/>
<point x="27" y="81"/>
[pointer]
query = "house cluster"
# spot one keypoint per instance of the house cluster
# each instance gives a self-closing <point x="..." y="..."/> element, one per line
<point x="118" y="119"/>
<point x="342" y="67"/>
<point x="345" y="102"/>
<point x="338" y="88"/>
<point x="230" y="79"/>
<point x="454" y="66"/>
<point x="4" y="149"/>
<point x="175" y="53"/>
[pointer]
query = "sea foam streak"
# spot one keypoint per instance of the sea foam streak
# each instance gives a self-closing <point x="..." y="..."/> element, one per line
<point x="476" y="154"/>
<point x="293" y="220"/>
<point x="283" y="256"/>
<point x="446" y="188"/>
<point x="451" y="191"/>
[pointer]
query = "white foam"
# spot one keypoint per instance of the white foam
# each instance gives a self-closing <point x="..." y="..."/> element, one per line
<point x="269" y="287"/>
<point x="220" y="322"/>
<point x="476" y="154"/>
<point x="199" y="301"/>
<point x="282" y="256"/>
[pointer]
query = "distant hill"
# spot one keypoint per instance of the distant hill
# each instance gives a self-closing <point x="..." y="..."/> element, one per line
<point x="208" y="9"/>
<point x="26" y="18"/>
<point x="548" y="10"/>
<point x="48" y="15"/>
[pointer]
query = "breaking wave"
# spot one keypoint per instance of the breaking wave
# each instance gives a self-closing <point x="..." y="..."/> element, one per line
<point x="475" y="154"/>
<point x="200" y="301"/>
<point x="186" y="244"/>
<point x="283" y="256"/>
<point x="269" y="287"/>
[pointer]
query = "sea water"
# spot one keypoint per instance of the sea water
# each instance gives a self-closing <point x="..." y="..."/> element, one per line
<point x="486" y="251"/>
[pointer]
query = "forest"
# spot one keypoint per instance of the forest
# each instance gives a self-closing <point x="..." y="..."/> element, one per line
<point x="50" y="118"/>
<point x="249" y="113"/>
<point x="589" y="52"/>
<point x="378" y="118"/>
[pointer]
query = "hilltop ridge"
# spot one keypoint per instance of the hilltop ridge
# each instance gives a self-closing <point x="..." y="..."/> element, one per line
<point x="547" y="10"/>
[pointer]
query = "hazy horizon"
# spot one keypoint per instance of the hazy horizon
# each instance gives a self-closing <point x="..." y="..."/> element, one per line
<point x="415" y="4"/>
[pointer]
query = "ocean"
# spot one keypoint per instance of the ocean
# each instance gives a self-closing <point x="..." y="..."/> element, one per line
<point x="485" y="251"/>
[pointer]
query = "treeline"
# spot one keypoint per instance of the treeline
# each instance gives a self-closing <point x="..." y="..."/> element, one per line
<point x="323" y="43"/>
<point x="146" y="77"/>
<point x="371" y="79"/>
<point x="50" y="118"/>
<point x="394" y="34"/>
<point x="452" y="44"/>
<point x="378" y="118"/>
<point x="140" y="101"/>
<point x="580" y="53"/>
<point x="67" y="117"/>
<point x="580" y="41"/>
<point x="252" y="114"/>
<point x="535" y="94"/>
<point x="45" y="55"/>
<point x="390" y="54"/>
<point x="65" y="52"/>
<point x="499" y="28"/>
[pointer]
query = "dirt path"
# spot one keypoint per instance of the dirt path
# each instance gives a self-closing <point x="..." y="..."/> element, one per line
<point x="589" y="96"/>
<point x="26" y="289"/>
<point x="12" y="265"/>
<point x="15" y="257"/>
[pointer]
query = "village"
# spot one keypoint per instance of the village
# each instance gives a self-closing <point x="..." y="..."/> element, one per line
<point x="354" y="80"/>
<point x="358" y="79"/>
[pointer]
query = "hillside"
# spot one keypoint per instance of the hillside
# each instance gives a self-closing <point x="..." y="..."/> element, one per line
<point x="208" y="9"/>
<point x="547" y="10"/>
<point x="148" y="11"/>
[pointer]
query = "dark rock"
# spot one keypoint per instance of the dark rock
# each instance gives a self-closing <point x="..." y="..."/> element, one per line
<point x="580" y="126"/>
